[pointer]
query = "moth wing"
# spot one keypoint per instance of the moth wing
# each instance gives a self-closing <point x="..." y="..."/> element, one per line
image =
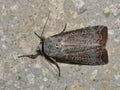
<point x="81" y="46"/>
<point x="92" y="56"/>
<point x="89" y="35"/>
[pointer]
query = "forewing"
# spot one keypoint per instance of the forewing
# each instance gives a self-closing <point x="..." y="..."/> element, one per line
<point x="92" y="56"/>
<point x="82" y="46"/>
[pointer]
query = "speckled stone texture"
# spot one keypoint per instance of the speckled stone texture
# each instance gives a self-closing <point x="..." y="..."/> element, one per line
<point x="19" y="19"/>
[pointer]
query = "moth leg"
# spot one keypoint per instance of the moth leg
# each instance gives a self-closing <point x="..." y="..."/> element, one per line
<point x="30" y="56"/>
<point x="54" y="62"/>
<point x="63" y="29"/>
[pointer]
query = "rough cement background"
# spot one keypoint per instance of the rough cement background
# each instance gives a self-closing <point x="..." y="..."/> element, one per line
<point x="19" y="19"/>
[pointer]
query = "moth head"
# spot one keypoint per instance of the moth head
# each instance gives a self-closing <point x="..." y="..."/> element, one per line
<point x="40" y="46"/>
<point x="39" y="49"/>
<point x="42" y="39"/>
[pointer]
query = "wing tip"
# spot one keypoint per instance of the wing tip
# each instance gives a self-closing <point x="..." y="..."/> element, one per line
<point x="104" y="56"/>
<point x="104" y="34"/>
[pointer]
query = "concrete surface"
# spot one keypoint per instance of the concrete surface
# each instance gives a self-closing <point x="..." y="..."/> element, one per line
<point x="19" y="19"/>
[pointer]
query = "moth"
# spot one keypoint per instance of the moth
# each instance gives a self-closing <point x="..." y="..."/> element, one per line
<point x="85" y="46"/>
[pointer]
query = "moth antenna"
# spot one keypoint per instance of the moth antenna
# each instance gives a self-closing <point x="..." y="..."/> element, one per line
<point x="41" y="38"/>
<point x="37" y="35"/>
<point x="45" y="23"/>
